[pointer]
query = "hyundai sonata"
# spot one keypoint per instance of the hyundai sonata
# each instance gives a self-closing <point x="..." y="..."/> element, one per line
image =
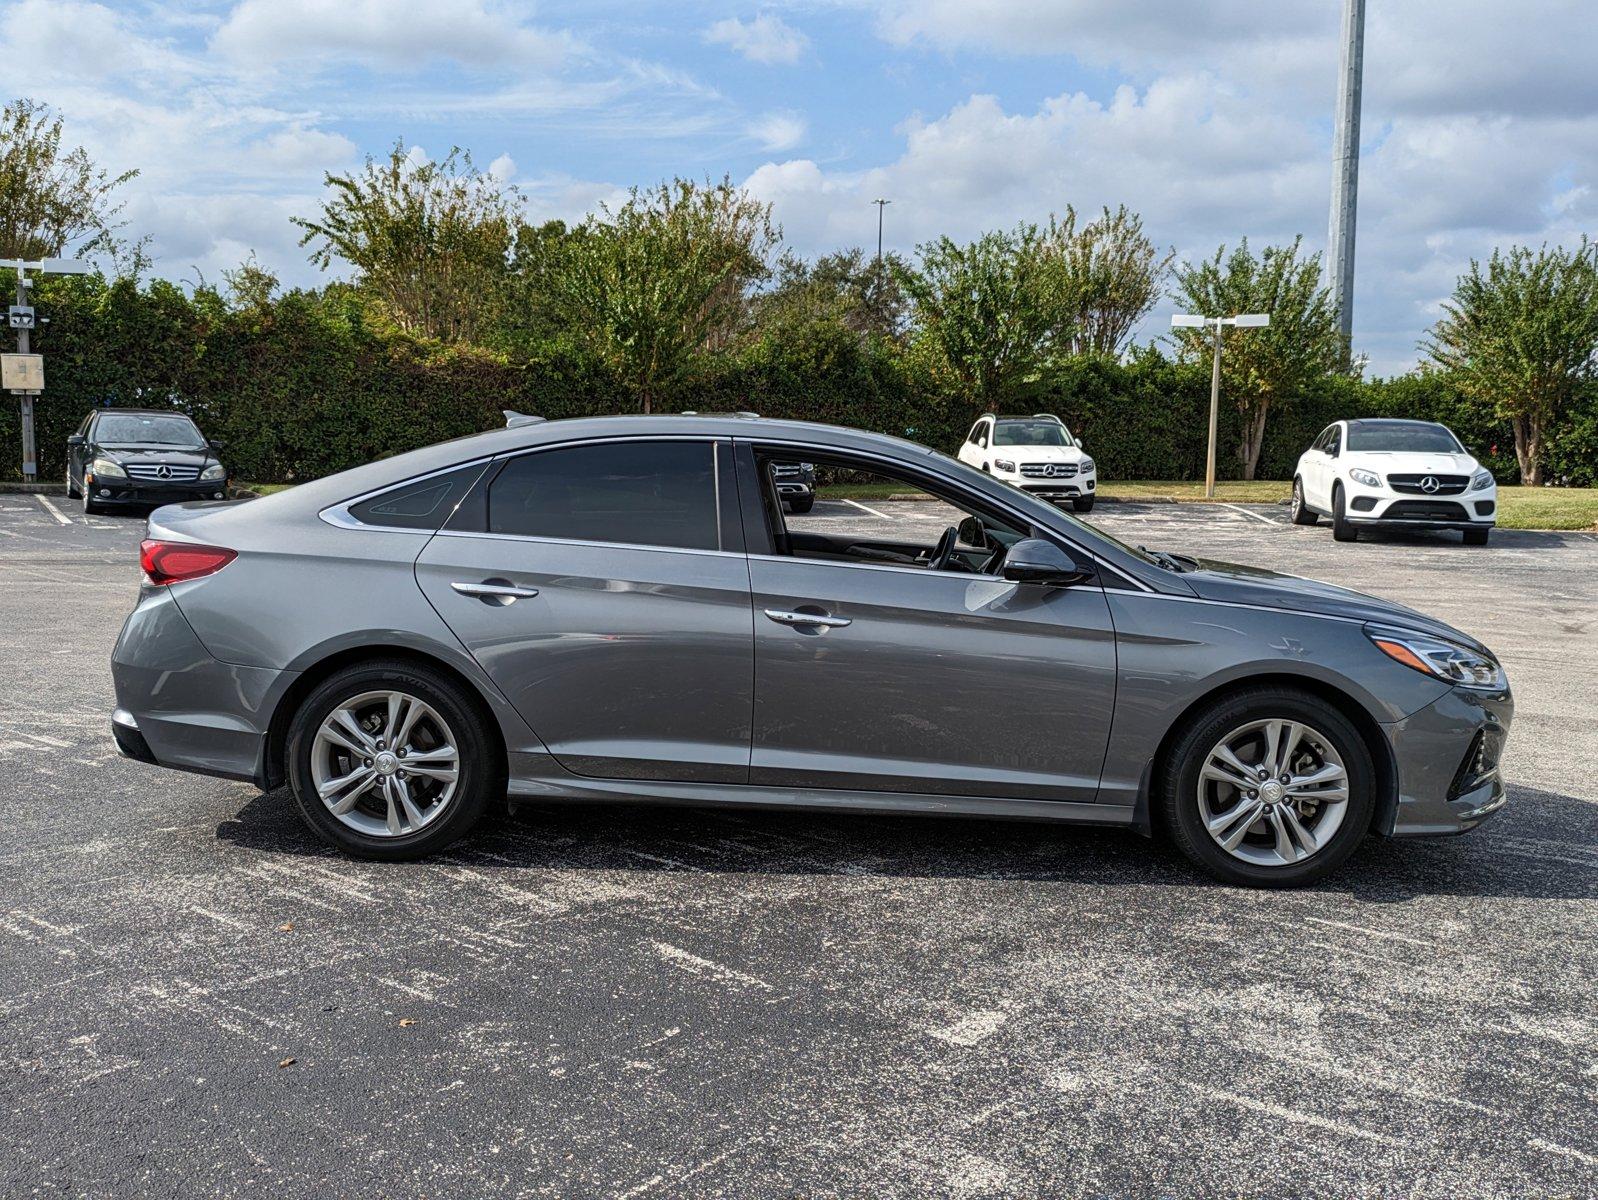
<point x="619" y="608"/>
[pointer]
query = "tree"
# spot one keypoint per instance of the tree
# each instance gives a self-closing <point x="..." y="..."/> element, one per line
<point x="430" y="240"/>
<point x="1521" y="337"/>
<point x="50" y="198"/>
<point x="663" y="280"/>
<point x="250" y="286"/>
<point x="982" y="311"/>
<point x="1262" y="368"/>
<point x="1104" y="279"/>
<point x="845" y="286"/>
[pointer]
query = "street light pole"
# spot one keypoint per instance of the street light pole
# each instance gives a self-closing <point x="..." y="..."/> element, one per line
<point x="1194" y="321"/>
<point x="22" y="320"/>
<point x="881" y="204"/>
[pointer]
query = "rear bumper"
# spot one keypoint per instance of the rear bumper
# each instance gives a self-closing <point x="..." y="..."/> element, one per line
<point x="1447" y="756"/>
<point x="178" y="707"/>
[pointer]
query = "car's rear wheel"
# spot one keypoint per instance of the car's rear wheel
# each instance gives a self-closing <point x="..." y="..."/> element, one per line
<point x="1083" y="503"/>
<point x="1476" y="537"/>
<point x="390" y="760"/>
<point x="1303" y="514"/>
<point x="1342" y="530"/>
<point x="1271" y="787"/>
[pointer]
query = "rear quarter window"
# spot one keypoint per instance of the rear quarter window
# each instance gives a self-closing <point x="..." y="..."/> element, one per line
<point x="420" y="503"/>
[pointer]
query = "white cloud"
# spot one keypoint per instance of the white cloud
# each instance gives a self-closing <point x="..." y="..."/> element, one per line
<point x="763" y="39"/>
<point x="778" y="131"/>
<point x="503" y="168"/>
<point x="469" y="32"/>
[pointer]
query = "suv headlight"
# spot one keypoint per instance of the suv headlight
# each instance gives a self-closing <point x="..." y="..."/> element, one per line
<point x="214" y="471"/>
<point x="1085" y="465"/>
<point x="1368" y="478"/>
<point x="1482" y="479"/>
<point x="104" y="468"/>
<point x="1003" y="464"/>
<point x="1444" y="660"/>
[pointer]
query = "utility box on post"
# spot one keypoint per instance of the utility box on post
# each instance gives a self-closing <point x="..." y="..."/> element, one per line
<point x="22" y="372"/>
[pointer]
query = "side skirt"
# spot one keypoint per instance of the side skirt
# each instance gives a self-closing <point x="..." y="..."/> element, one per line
<point x="542" y="789"/>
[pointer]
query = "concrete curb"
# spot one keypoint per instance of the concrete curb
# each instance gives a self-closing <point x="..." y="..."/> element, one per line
<point x="14" y="487"/>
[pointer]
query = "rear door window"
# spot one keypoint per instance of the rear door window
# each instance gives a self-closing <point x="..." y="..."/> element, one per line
<point x="634" y="492"/>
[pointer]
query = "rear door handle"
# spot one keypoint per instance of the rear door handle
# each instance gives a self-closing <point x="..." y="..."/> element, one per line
<point x="783" y="617"/>
<point x="494" y="591"/>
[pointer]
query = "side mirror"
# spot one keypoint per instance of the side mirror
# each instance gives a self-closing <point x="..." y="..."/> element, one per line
<point x="1036" y="560"/>
<point x="215" y="443"/>
<point x="973" y="532"/>
<point x="75" y="439"/>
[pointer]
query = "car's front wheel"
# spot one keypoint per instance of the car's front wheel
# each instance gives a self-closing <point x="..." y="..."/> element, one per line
<point x="1343" y="530"/>
<point x="1476" y="537"/>
<point x="802" y="504"/>
<point x="1303" y="514"/>
<point x="390" y="760"/>
<point x="1083" y="503"/>
<point x="1271" y="787"/>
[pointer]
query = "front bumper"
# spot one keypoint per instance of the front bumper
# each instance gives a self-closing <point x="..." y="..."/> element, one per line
<point x="1394" y="510"/>
<point x="1447" y="757"/>
<point x="149" y="492"/>
<point x="176" y="706"/>
<point x="1075" y="488"/>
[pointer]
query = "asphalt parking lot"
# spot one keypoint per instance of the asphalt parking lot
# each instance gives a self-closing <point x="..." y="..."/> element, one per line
<point x="197" y="999"/>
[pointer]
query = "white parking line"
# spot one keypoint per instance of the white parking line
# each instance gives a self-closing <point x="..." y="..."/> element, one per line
<point x="52" y="509"/>
<point x="1246" y="513"/>
<point x="872" y="511"/>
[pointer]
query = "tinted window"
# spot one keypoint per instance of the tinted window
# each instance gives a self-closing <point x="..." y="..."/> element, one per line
<point x="645" y="493"/>
<point x="420" y="504"/>
<point x="147" y="429"/>
<point x="1030" y="433"/>
<point x="1418" y="438"/>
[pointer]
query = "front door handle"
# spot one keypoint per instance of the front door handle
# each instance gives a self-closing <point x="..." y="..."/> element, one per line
<point x="494" y="591"/>
<point x="783" y="617"/>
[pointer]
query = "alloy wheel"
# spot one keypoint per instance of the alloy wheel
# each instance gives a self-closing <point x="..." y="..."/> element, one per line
<point x="385" y="763"/>
<point x="1273" y="792"/>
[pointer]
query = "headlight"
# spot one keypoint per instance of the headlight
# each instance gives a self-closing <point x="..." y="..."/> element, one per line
<point x="1368" y="478"/>
<point x="1085" y="465"/>
<point x="1003" y="464"/>
<point x="1440" y="659"/>
<point x="214" y="471"/>
<point x="104" y="468"/>
<point x="1483" y="479"/>
<point x="807" y="467"/>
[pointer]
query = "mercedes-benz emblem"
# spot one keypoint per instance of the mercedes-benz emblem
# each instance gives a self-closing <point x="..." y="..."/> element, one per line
<point x="165" y="472"/>
<point x="1429" y="484"/>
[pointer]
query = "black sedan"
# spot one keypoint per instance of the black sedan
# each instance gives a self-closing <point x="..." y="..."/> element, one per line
<point x="141" y="456"/>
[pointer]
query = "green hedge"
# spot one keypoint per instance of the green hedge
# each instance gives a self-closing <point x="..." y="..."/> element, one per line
<point x="307" y="387"/>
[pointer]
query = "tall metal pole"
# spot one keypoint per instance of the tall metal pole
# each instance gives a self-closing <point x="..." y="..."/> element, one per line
<point x="1345" y="167"/>
<point x="30" y="456"/>
<point x="881" y="204"/>
<point x="1215" y="412"/>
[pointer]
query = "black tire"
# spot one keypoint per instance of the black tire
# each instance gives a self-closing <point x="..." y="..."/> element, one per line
<point x="90" y="508"/>
<point x="1476" y="537"/>
<point x="1179" y="781"/>
<point x="802" y="504"/>
<point x="481" y="777"/>
<point x="1342" y="531"/>
<point x="1083" y="503"/>
<point x="1303" y="514"/>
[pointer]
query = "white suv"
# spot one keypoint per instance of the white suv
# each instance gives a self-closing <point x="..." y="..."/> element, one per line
<point x="1394" y="474"/>
<point x="1036" y="453"/>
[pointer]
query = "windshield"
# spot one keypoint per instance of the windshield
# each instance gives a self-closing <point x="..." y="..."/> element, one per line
<point x="147" y="429"/>
<point x="1415" y="439"/>
<point x="1031" y="433"/>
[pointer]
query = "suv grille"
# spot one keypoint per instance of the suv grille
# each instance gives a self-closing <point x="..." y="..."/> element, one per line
<point x="785" y="469"/>
<point x="154" y="471"/>
<point x="1447" y="485"/>
<point x="1049" y="470"/>
<point x="1425" y="510"/>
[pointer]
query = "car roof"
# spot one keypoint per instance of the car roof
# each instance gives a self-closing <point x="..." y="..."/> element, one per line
<point x="143" y="412"/>
<point x="1362" y="421"/>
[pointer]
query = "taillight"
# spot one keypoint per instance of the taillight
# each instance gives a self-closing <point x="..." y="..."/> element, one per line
<point x="173" y="562"/>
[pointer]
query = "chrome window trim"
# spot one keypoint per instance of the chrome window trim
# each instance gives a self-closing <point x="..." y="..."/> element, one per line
<point x="338" y="515"/>
<point x="592" y="545"/>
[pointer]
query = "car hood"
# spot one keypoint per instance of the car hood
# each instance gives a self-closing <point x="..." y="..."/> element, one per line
<point x="1236" y="584"/>
<point x="1039" y="454"/>
<point x="171" y="455"/>
<point x="1408" y="462"/>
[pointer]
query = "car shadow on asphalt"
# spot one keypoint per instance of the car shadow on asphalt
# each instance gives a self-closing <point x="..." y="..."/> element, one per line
<point x="1543" y="846"/>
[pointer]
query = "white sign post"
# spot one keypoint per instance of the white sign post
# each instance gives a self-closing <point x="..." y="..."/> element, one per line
<point x="1193" y="321"/>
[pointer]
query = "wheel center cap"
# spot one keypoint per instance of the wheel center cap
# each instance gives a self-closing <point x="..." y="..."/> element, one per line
<point x="1272" y="792"/>
<point x="385" y="763"/>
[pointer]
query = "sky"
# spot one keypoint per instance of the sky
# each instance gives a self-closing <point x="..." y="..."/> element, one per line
<point x="1212" y="119"/>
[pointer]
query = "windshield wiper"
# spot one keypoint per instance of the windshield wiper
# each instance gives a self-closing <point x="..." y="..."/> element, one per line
<point x="1180" y="563"/>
